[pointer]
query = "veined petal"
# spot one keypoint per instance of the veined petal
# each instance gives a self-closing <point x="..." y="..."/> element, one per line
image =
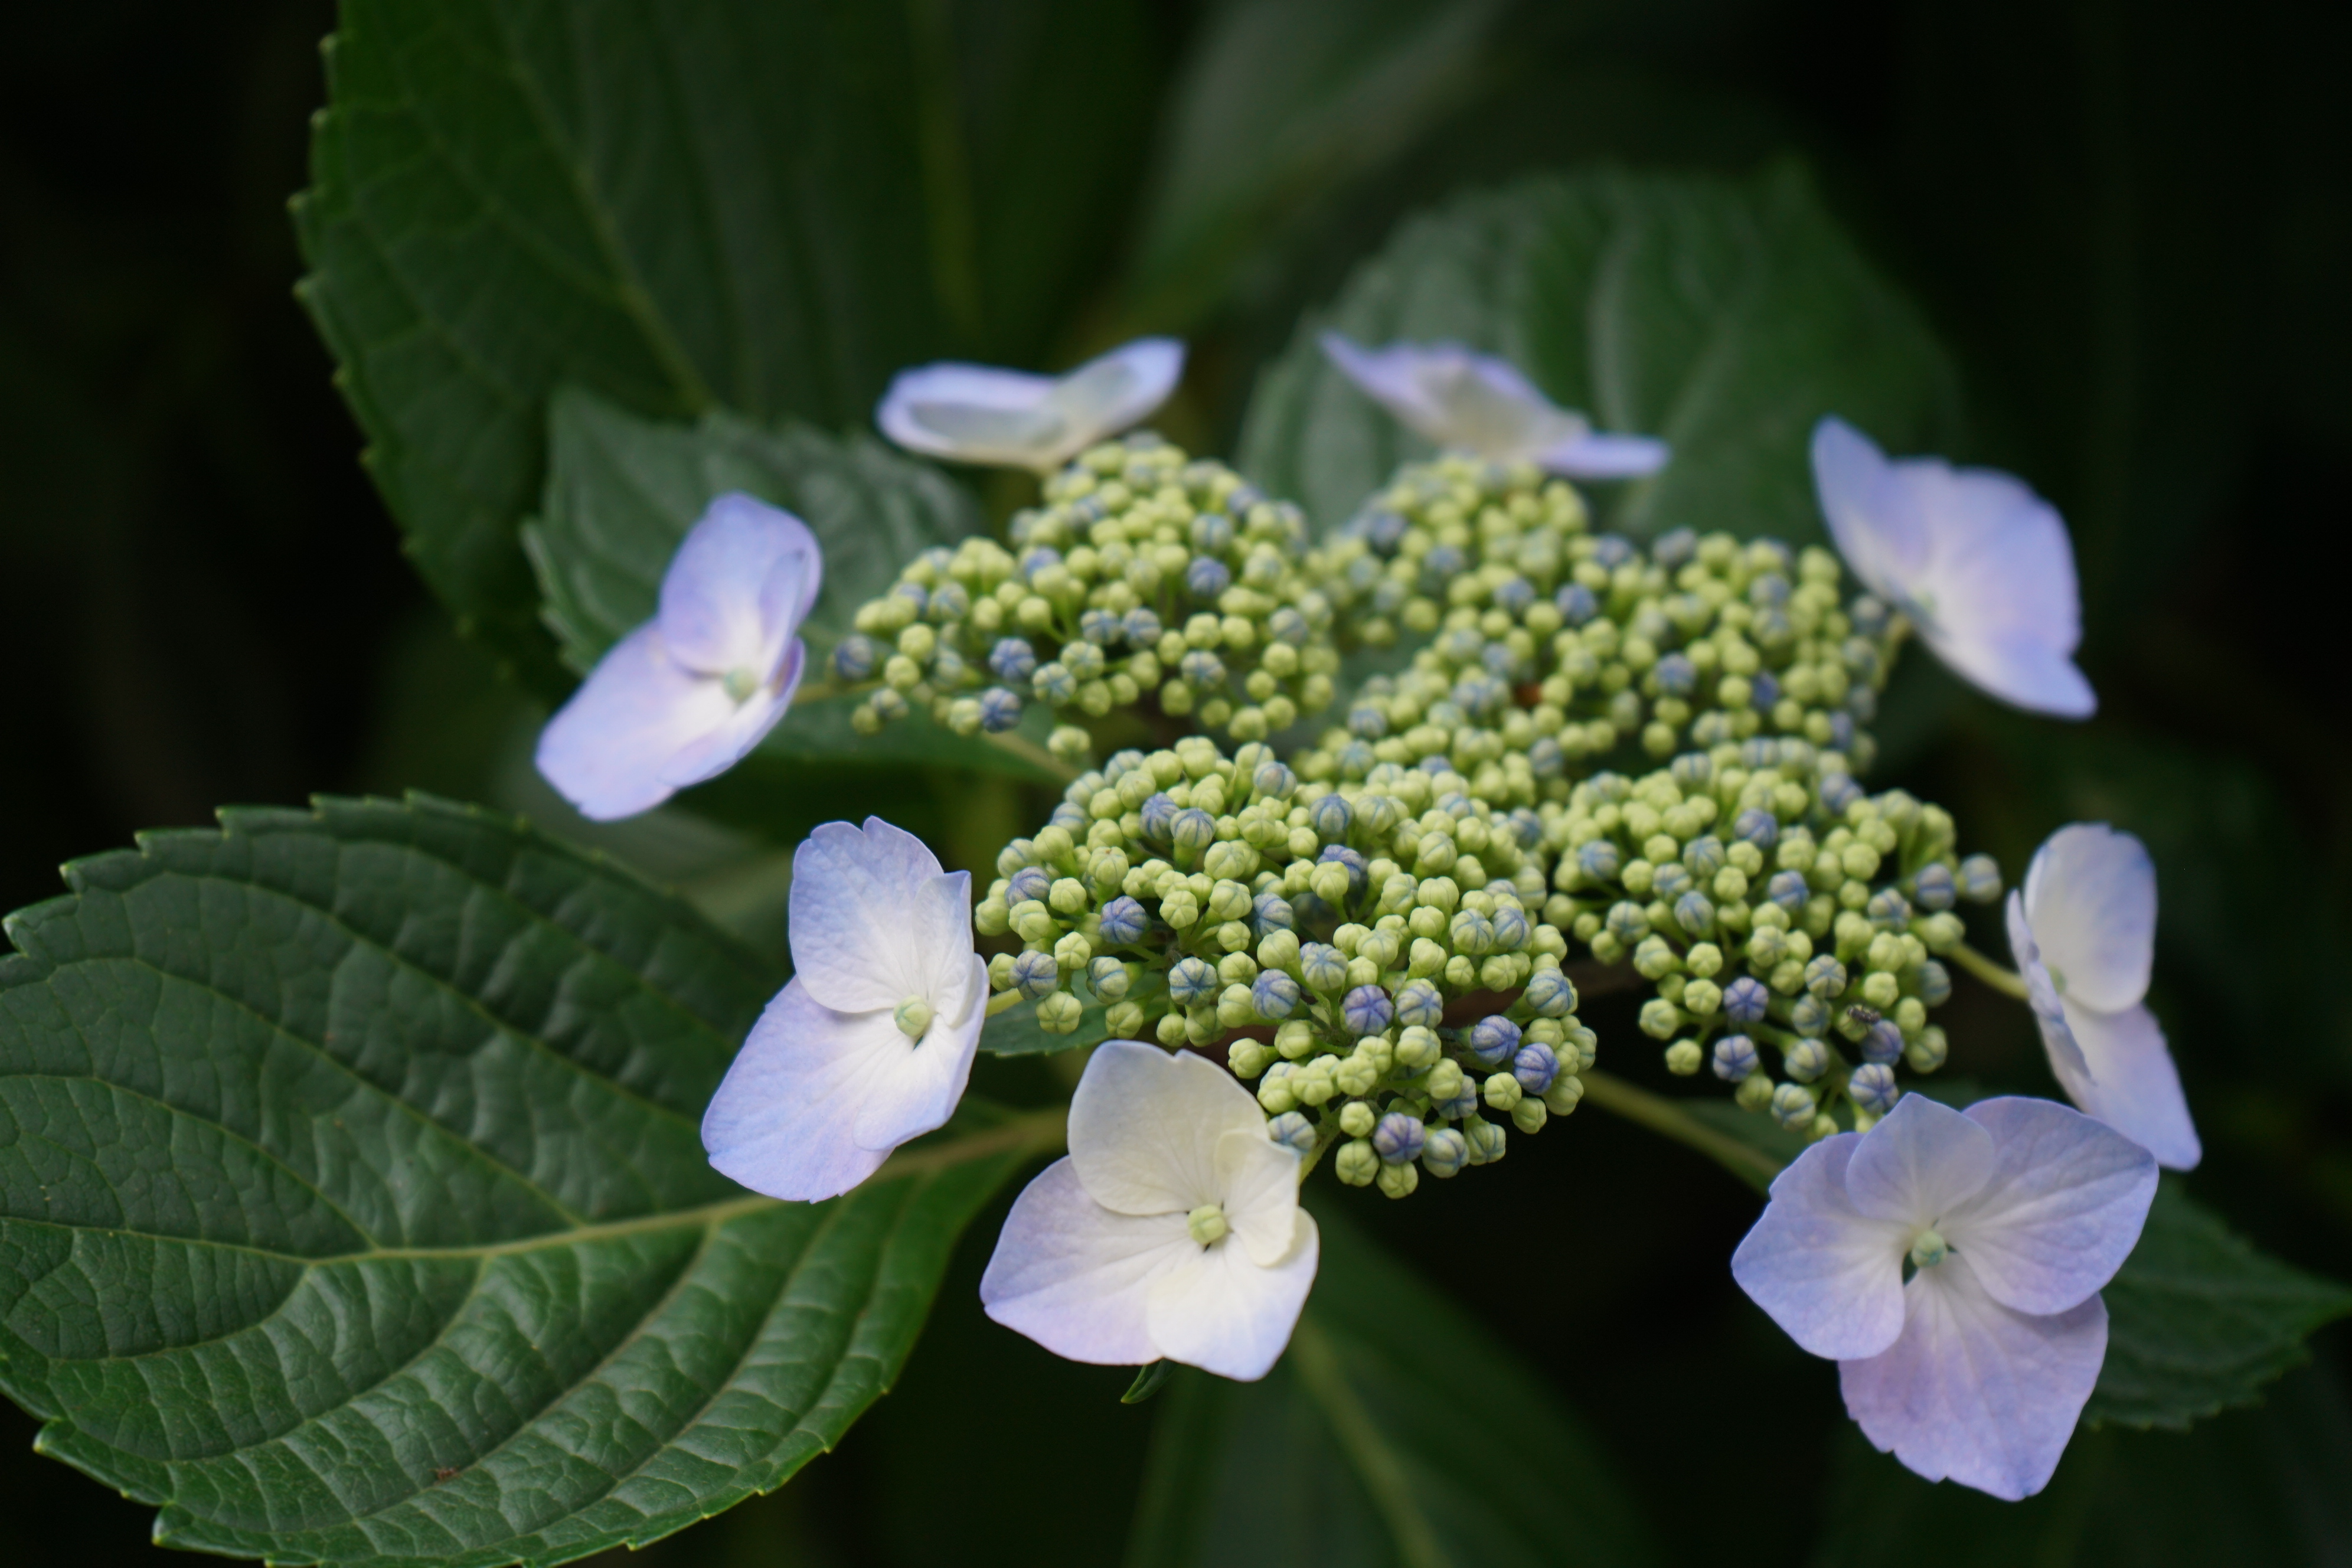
<point x="1123" y="387"/>
<point x="864" y="935"/>
<point x="784" y="1119"/>
<point x="1224" y="1312"/>
<point x="977" y="414"/>
<point x="2132" y="1085"/>
<point x="611" y="750"/>
<point x="1976" y="1392"/>
<point x="1997" y="595"/>
<point x="1144" y="1127"/>
<point x="1830" y="1275"/>
<point x="1874" y="521"/>
<point x="1596" y="456"/>
<point x="1920" y="1163"/>
<point x="919" y="1091"/>
<point x="2041" y="996"/>
<point x="735" y="590"/>
<point x="2090" y="899"/>
<point x="2062" y="1210"/>
<point x="1076" y="1277"/>
<point x="1257" y="1180"/>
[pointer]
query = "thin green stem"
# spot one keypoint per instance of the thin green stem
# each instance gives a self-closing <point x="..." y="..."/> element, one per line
<point x="2001" y="978"/>
<point x="1390" y="1488"/>
<point x="1662" y="1115"/>
<point x="1002" y="1002"/>
<point x="1029" y="751"/>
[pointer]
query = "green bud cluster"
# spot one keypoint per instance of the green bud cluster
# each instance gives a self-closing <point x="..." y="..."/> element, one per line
<point x="1373" y="953"/>
<point x="1551" y="648"/>
<point x="1146" y="579"/>
<point x="1770" y="903"/>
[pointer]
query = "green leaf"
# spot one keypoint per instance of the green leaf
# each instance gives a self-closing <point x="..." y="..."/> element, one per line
<point x="622" y="492"/>
<point x="1280" y="105"/>
<point x="1725" y="316"/>
<point x="1395" y="1430"/>
<point x="354" y="1208"/>
<point x="2198" y="1320"/>
<point x="680" y="206"/>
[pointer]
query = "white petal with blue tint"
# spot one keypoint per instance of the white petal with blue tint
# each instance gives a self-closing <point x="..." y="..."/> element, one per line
<point x="1831" y="1276"/>
<point x="2060" y="1211"/>
<point x="829" y="1082"/>
<point x="978" y="414"/>
<point x="686" y="696"/>
<point x="1480" y="403"/>
<point x="1172" y="1230"/>
<point x="1980" y="565"/>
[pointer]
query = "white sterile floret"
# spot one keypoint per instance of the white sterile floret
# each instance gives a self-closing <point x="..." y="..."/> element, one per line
<point x="1172" y="1230"/>
<point x="1006" y="418"/>
<point x="686" y="696"/>
<point x="1980" y="565"/>
<point x="1476" y="402"/>
<point x="871" y="1043"/>
<point x="2083" y="930"/>
<point x="2014" y="1214"/>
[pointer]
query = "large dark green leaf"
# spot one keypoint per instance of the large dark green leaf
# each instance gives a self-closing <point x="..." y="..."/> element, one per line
<point x="622" y="492"/>
<point x="2198" y="1320"/>
<point x="1725" y="316"/>
<point x="1281" y="102"/>
<point x="683" y="206"/>
<point x="1394" y="1430"/>
<point x="352" y="1206"/>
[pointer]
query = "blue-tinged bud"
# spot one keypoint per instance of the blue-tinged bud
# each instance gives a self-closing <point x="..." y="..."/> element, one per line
<point x="1756" y="827"/>
<point x="1207" y="576"/>
<point x="1869" y="613"/>
<point x="1575" y="604"/>
<point x="1672" y="549"/>
<point x="1441" y="565"/>
<point x="1788" y="889"/>
<point x="1873" y="1088"/>
<point x="1331" y="816"/>
<point x="1191" y="982"/>
<point x="1192" y="831"/>
<point x="1202" y="668"/>
<point x="1445" y="1151"/>
<point x="1601" y="860"/>
<point x="1101" y="627"/>
<point x="1934" y="888"/>
<point x="1493" y="1039"/>
<point x="1763" y="692"/>
<point x="1694" y="912"/>
<point x="1888" y="908"/>
<point x="1035" y="973"/>
<point x="1809" y="1014"/>
<point x="1213" y="531"/>
<point x="1082" y="659"/>
<point x="1287" y="625"/>
<point x="1486" y="1141"/>
<point x="1367" y="722"/>
<point x="1934" y="983"/>
<point x="1108" y="977"/>
<point x="1273" y="781"/>
<point x="1013" y="658"/>
<point x="1678" y="676"/>
<point x="1534" y="1065"/>
<point x="1745" y="1000"/>
<point x="1274" y="993"/>
<point x="1356" y="759"/>
<point x="1703" y="857"/>
<point x="1825" y="977"/>
<point x="1070" y="818"/>
<point x="1692" y="770"/>
<point x="1550" y="994"/>
<point x="1793" y="1107"/>
<point x="1980" y="880"/>
<point x="1029" y="882"/>
<point x="1612" y="550"/>
<point x="1881" y="1042"/>
<point x="1399" y="1138"/>
<point x="1158" y="814"/>
<point x="1141" y="627"/>
<point x="1122" y="922"/>
<point x="1734" y="1057"/>
<point x="1367" y="1010"/>
<point x="1842" y="728"/>
<point x="913" y="593"/>
<point x="1270" y="912"/>
<point x="1418" y="1001"/>
<point x="1471" y="933"/>
<point x="1323" y="967"/>
<point x="1293" y="1132"/>
<point x="1528" y="826"/>
<point x="1514" y="595"/>
<point x="1838" y="792"/>
<point x="1055" y="683"/>
<point x="854" y="658"/>
<point x="1340" y="855"/>
<point x="1670" y="881"/>
<point x="1628" y="921"/>
<point x="1510" y="924"/>
<point x="1806" y="1060"/>
<point x="1000" y="710"/>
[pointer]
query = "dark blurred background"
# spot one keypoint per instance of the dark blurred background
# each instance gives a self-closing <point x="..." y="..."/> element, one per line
<point x="2130" y="225"/>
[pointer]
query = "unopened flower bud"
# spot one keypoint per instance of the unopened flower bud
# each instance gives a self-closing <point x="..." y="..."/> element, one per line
<point x="1825" y="977"/>
<point x="1331" y="816"/>
<point x="1881" y="1042"/>
<point x="1249" y="1057"/>
<point x="1356" y="1163"/>
<point x="1191" y="982"/>
<point x="1534" y="1065"/>
<point x="1745" y="1000"/>
<point x="1734" y="1057"/>
<point x="1684" y="1057"/>
<point x="1322" y="967"/>
<point x="1294" y="1039"/>
<point x="1487" y="1142"/>
<point x="1792" y="1107"/>
<point x="1399" y="1138"/>
<point x="1493" y="1039"/>
<point x="1418" y="1001"/>
<point x="1367" y="1010"/>
<point x="1274" y="993"/>
<point x="1806" y="1060"/>
<point x="1293" y="1132"/>
<point x="1873" y="1088"/>
<point x="1530" y="1115"/>
<point x="1356" y="1119"/>
<point x="1058" y="1013"/>
<point x="1397" y="1181"/>
<point x="1550" y="994"/>
<point x="1926" y="1053"/>
<point x="1035" y="973"/>
<point x="1980" y="880"/>
<point x="1445" y="1151"/>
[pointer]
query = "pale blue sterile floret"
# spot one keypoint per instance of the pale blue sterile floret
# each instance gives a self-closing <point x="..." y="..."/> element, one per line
<point x="1006" y="418"/>
<point x="686" y="695"/>
<point x="1734" y="1057"/>
<point x="1480" y="403"/>
<point x="1493" y="1039"/>
<point x="1399" y="1138"/>
<point x="1123" y="922"/>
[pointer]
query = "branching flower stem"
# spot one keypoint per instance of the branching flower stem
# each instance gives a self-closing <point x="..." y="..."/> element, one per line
<point x="1999" y="977"/>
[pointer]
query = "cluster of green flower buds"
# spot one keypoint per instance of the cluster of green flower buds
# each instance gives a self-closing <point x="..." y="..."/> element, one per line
<point x="1146" y="577"/>
<point x="1550" y="648"/>
<point x="1774" y="905"/>
<point x="1372" y="952"/>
